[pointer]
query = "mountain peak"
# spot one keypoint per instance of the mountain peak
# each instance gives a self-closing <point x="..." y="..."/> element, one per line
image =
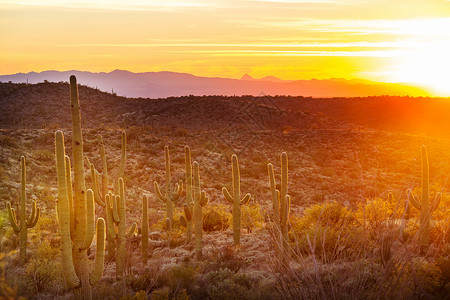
<point x="247" y="77"/>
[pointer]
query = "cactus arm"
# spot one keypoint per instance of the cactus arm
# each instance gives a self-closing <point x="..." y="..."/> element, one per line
<point x="226" y="195"/>
<point x="285" y="215"/>
<point x="115" y="208"/>
<point x="32" y="215"/>
<point x="99" y="198"/>
<point x="131" y="231"/>
<point x="70" y="194"/>
<point x="246" y="199"/>
<point x="68" y="269"/>
<point x="168" y="224"/>
<point x="275" y="198"/>
<point x="204" y="200"/>
<point x="97" y="273"/>
<point x="436" y="202"/>
<point x="90" y="220"/>
<point x="88" y="162"/>
<point x="110" y="219"/>
<point x="158" y="192"/>
<point x="187" y="212"/>
<point x="95" y="188"/>
<point x="415" y="202"/>
<point x="183" y="221"/>
<point x="123" y="154"/>
<point x="178" y="190"/>
<point x="104" y="168"/>
<point x="35" y="219"/>
<point x="12" y="218"/>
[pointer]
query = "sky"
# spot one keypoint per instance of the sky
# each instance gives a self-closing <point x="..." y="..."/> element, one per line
<point x="381" y="40"/>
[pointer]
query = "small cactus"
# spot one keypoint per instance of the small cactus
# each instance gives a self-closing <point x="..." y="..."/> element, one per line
<point x="20" y="228"/>
<point x="144" y="229"/>
<point x="200" y="200"/>
<point x="236" y="200"/>
<point x="281" y="206"/>
<point x="424" y="205"/>
<point x="186" y="220"/>
<point x="172" y="194"/>
<point x="100" y="193"/>
<point x="119" y="216"/>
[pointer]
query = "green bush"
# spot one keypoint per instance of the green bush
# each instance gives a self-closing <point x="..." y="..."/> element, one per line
<point x="328" y="230"/>
<point x="216" y="218"/>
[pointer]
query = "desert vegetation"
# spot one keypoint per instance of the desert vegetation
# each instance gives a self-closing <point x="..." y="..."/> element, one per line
<point x="304" y="207"/>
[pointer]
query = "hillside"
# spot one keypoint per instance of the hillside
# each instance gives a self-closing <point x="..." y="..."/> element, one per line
<point x="342" y="153"/>
<point x="171" y="84"/>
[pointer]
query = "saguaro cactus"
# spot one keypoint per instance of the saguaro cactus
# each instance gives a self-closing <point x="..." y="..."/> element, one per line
<point x="76" y="215"/>
<point x="21" y="228"/>
<point x="119" y="217"/>
<point x="189" y="206"/>
<point x="144" y="229"/>
<point x="172" y="194"/>
<point x="76" y="219"/>
<point x="100" y="193"/>
<point x="424" y="205"/>
<point x="281" y="206"/>
<point x="236" y="200"/>
<point x="200" y="200"/>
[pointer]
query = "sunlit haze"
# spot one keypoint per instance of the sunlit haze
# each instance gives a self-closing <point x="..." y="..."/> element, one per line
<point x="381" y="40"/>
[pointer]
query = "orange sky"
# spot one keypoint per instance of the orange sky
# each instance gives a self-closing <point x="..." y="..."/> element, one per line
<point x="384" y="40"/>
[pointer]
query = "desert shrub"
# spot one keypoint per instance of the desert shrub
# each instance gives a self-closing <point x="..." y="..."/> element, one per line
<point x="216" y="218"/>
<point x="6" y="291"/>
<point x="43" y="272"/>
<point x="141" y="295"/>
<point x="8" y="142"/>
<point x="252" y="217"/>
<point x="226" y="284"/>
<point x="43" y="156"/>
<point x="164" y="294"/>
<point x="225" y="258"/>
<point x="379" y="214"/>
<point x="328" y="230"/>
<point x="175" y="236"/>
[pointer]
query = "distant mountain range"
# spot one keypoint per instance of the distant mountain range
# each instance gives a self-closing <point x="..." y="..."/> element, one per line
<point x="166" y="84"/>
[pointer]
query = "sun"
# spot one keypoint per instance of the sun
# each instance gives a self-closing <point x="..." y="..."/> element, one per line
<point x="428" y="65"/>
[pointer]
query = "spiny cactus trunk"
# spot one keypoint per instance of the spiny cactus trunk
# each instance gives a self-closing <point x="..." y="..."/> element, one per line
<point x="21" y="228"/>
<point x="144" y="229"/>
<point x="23" y="225"/>
<point x="281" y="207"/>
<point x="170" y="195"/>
<point x="425" y="212"/>
<point x="189" y="196"/>
<point x="80" y="258"/>
<point x="235" y="200"/>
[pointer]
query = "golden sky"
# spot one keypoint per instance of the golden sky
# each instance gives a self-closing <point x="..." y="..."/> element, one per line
<point x="383" y="40"/>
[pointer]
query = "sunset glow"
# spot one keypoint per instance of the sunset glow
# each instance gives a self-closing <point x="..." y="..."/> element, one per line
<point x="389" y="41"/>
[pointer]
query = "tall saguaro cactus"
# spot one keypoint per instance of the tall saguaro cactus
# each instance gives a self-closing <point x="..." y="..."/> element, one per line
<point x="76" y="217"/>
<point x="144" y="229"/>
<point x="20" y="228"/>
<point x="424" y="205"/>
<point x="236" y="200"/>
<point x="200" y="200"/>
<point x="118" y="212"/>
<point x="172" y="194"/>
<point x="100" y="193"/>
<point x="189" y="206"/>
<point x="281" y="206"/>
